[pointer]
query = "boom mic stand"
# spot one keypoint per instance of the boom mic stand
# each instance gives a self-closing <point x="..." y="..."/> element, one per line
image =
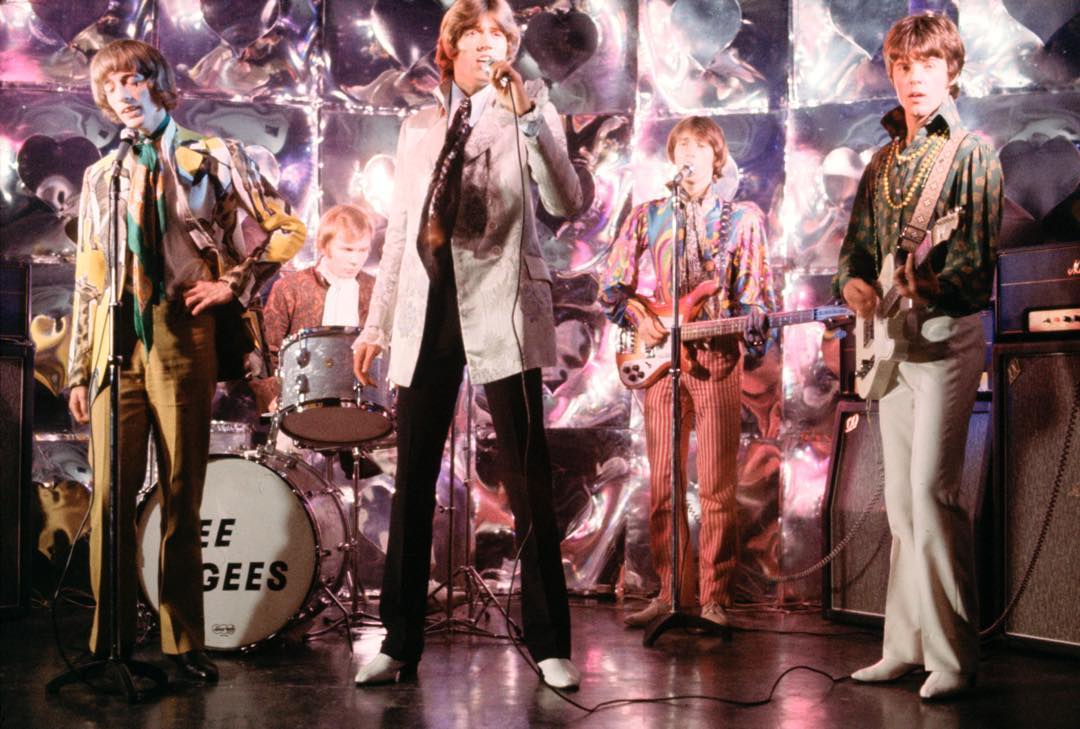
<point x="124" y="669"/>
<point x="675" y="618"/>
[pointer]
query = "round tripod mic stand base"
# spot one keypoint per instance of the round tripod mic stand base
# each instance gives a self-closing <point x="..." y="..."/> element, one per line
<point x="479" y="599"/>
<point x="123" y="670"/>
<point x="678" y="620"/>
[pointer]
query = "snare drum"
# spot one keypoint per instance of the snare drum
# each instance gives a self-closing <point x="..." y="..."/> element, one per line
<point x="321" y="403"/>
<point x="273" y="535"/>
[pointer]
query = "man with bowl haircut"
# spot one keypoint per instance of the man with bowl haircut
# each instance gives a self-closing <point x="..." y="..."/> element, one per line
<point x="724" y="243"/>
<point x="334" y="292"/>
<point x="186" y="273"/>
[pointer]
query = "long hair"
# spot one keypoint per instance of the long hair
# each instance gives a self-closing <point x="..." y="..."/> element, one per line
<point x="465" y="14"/>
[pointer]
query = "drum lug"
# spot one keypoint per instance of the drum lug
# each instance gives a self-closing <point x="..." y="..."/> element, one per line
<point x="303" y="357"/>
<point x="301" y="382"/>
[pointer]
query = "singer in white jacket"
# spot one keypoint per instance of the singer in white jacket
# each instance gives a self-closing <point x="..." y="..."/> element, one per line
<point x="462" y="282"/>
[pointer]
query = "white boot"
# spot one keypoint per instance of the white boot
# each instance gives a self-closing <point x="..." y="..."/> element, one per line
<point x="887" y="669"/>
<point x="946" y="684"/>
<point x="560" y="673"/>
<point x="381" y="669"/>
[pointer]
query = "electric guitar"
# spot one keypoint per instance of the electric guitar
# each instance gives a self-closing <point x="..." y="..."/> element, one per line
<point x="641" y="365"/>
<point x="880" y="344"/>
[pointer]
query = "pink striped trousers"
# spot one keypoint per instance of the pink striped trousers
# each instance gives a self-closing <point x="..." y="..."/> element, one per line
<point x="710" y="402"/>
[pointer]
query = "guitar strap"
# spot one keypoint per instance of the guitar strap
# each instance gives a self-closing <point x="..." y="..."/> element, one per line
<point x="915" y="230"/>
<point x="724" y="269"/>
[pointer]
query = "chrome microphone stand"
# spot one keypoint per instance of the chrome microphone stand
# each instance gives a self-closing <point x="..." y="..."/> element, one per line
<point x="676" y="618"/>
<point x="475" y="586"/>
<point x="123" y="668"/>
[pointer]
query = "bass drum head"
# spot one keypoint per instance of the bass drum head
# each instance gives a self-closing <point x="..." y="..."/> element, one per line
<point x="259" y="547"/>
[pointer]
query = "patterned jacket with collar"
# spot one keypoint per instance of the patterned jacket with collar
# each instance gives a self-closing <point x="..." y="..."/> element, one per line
<point x="503" y="283"/>
<point x="220" y="180"/>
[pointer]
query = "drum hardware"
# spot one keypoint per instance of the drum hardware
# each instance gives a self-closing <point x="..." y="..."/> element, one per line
<point x="351" y="547"/>
<point x="321" y="405"/>
<point x="261" y="577"/>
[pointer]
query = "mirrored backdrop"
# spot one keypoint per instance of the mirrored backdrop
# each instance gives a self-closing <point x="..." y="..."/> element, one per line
<point x="318" y="89"/>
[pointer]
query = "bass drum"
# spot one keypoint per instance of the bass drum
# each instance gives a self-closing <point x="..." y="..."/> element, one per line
<point x="273" y="538"/>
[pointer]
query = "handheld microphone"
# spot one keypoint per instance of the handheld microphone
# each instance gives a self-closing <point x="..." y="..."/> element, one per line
<point x="502" y="81"/>
<point x="683" y="172"/>
<point x="127" y="140"/>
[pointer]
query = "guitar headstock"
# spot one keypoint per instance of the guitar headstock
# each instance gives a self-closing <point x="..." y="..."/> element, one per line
<point x="945" y="226"/>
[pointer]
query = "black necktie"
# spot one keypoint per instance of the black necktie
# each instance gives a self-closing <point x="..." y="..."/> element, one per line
<point x="437" y="218"/>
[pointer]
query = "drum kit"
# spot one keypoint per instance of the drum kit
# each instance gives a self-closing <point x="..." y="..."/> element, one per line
<point x="279" y="543"/>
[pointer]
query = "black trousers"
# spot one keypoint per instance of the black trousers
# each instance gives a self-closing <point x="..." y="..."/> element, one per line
<point x="424" y="412"/>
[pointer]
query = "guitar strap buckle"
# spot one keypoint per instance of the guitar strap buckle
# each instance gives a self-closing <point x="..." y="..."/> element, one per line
<point x="912" y="237"/>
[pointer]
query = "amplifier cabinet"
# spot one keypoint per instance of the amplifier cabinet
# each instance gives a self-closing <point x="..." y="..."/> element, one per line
<point x="16" y="424"/>
<point x="1033" y="279"/>
<point x="14" y="299"/>
<point x="855" y="581"/>
<point x="1036" y="384"/>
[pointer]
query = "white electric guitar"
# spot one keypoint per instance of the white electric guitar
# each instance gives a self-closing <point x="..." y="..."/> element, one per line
<point x="641" y="365"/>
<point x="880" y="344"/>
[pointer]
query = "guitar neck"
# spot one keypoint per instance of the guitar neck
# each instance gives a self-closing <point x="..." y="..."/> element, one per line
<point x="738" y="324"/>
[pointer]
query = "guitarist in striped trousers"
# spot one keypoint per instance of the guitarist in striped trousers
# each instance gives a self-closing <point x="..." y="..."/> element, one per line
<point x="725" y="245"/>
<point x="930" y="610"/>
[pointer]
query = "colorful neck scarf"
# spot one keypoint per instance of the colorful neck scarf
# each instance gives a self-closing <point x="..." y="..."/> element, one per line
<point x="146" y="220"/>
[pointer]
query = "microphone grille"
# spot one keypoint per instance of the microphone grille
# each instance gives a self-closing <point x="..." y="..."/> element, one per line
<point x="127" y="134"/>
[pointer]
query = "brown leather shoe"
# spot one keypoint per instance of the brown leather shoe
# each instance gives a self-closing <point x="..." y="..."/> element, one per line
<point x="196" y="665"/>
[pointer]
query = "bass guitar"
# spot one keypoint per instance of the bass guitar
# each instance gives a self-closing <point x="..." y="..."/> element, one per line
<point x="641" y="365"/>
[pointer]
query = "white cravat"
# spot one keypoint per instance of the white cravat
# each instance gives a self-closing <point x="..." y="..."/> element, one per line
<point x="342" y="299"/>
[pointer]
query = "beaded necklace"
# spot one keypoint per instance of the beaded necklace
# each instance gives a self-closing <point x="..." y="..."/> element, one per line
<point x="928" y="151"/>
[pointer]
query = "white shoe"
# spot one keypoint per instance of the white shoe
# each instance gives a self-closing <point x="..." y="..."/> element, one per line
<point x="946" y="684"/>
<point x="382" y="669"/>
<point x="560" y="673"/>
<point x="887" y="669"/>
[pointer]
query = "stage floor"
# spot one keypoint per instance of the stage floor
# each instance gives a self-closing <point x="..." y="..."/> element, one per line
<point x="468" y="682"/>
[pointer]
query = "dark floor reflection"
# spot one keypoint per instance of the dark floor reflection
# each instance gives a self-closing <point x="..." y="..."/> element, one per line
<point x="466" y="682"/>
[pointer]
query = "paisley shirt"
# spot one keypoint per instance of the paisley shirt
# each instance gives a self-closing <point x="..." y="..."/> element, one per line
<point x="974" y="183"/>
<point x="647" y="231"/>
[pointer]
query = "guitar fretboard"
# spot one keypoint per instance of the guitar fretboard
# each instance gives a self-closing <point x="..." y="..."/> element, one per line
<point x="738" y="324"/>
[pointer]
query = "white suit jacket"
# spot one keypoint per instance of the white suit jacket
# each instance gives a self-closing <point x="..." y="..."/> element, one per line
<point x="503" y="283"/>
